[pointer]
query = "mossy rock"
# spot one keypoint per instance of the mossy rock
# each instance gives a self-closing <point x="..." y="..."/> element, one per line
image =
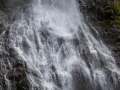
<point x="114" y="13"/>
<point x="117" y="44"/>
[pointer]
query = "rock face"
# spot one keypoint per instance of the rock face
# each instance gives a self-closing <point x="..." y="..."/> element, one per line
<point x="106" y="13"/>
<point x="12" y="69"/>
<point x="99" y="13"/>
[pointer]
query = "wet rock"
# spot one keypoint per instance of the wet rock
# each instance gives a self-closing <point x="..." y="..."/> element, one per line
<point x="57" y="80"/>
<point x="18" y="77"/>
<point x="53" y="68"/>
<point x="21" y="64"/>
<point x="118" y="39"/>
<point x="13" y="70"/>
<point x="2" y="20"/>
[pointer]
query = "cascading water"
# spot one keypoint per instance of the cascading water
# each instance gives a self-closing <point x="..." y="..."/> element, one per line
<point x="59" y="48"/>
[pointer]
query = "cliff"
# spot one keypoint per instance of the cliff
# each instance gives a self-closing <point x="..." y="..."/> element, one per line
<point x="11" y="68"/>
<point x="106" y="13"/>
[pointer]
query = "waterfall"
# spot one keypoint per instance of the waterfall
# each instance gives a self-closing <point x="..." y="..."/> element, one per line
<point x="59" y="48"/>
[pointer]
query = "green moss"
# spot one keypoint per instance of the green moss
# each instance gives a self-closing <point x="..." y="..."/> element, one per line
<point x="112" y="14"/>
<point x="107" y="12"/>
<point x="21" y="76"/>
<point x="117" y="6"/>
<point x="19" y="73"/>
<point x="117" y="44"/>
<point x="20" y="82"/>
<point x="111" y="11"/>
<point x="15" y="88"/>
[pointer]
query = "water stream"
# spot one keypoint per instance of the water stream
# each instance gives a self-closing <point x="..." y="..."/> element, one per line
<point x="59" y="48"/>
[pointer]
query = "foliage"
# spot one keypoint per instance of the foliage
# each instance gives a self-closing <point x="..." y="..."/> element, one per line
<point x="113" y="14"/>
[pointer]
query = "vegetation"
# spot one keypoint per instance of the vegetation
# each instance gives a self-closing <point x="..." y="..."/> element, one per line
<point x="112" y="12"/>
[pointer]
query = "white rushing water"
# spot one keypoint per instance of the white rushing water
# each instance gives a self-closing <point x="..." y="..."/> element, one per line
<point x="60" y="51"/>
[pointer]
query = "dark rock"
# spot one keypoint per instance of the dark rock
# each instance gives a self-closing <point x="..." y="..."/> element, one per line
<point x="20" y="63"/>
<point x="18" y="77"/>
<point x="13" y="69"/>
